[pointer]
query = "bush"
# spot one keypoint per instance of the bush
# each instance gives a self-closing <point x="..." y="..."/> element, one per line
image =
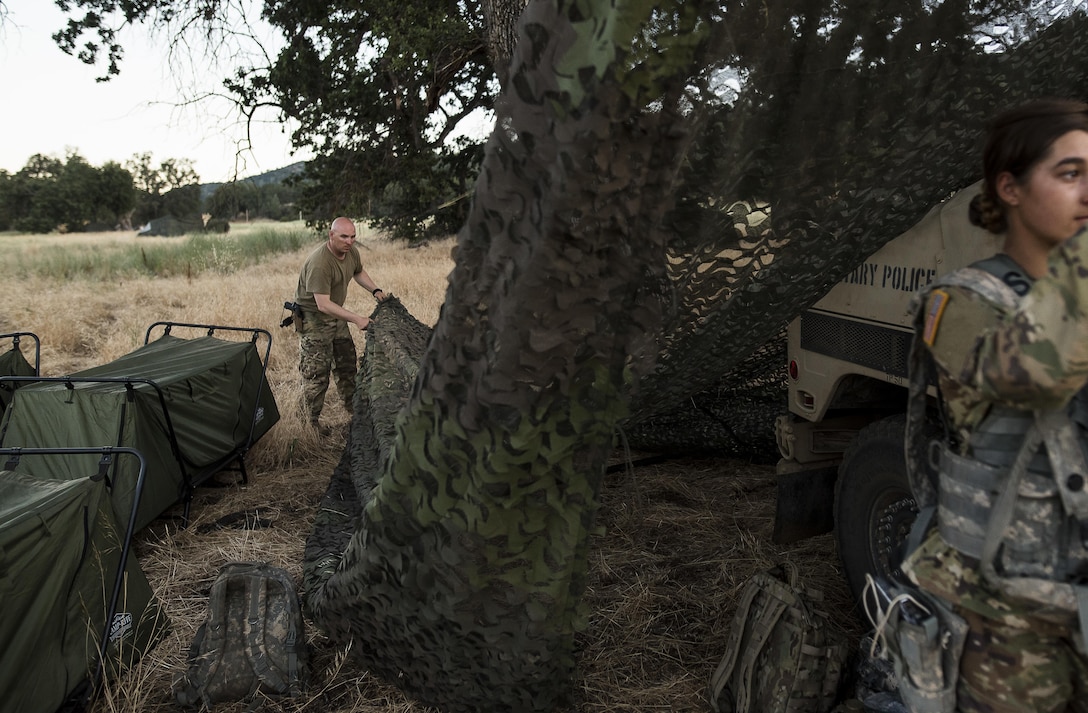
<point x="217" y="225"/>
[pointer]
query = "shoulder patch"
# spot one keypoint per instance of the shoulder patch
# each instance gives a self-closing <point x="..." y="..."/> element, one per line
<point x="938" y="300"/>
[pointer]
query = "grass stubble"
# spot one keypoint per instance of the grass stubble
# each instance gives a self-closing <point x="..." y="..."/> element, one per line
<point x="678" y="539"/>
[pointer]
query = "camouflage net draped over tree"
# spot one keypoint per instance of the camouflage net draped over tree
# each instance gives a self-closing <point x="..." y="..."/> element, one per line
<point x="844" y="156"/>
<point x="668" y="184"/>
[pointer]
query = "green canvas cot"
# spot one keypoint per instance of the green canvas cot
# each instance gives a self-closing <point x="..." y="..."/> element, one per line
<point x="13" y="363"/>
<point x="192" y="407"/>
<point x="62" y="588"/>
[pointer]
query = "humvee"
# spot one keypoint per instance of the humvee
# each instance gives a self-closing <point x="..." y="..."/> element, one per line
<point x="842" y="464"/>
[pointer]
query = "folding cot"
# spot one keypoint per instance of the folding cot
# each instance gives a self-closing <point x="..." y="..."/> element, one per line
<point x="192" y="406"/>
<point x="77" y="606"/>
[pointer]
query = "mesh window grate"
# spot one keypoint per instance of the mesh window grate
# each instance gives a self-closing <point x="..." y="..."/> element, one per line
<point x="870" y="345"/>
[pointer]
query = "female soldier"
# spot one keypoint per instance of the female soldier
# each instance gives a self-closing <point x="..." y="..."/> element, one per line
<point x="1009" y="340"/>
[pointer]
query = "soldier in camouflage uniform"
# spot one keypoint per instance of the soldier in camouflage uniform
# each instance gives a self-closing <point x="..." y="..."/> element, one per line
<point x="325" y="342"/>
<point x="1009" y="339"/>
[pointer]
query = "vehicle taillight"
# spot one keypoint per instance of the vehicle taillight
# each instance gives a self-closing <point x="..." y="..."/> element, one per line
<point x="793" y="369"/>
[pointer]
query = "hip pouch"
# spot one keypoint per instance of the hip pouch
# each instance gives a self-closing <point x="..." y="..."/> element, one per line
<point x="923" y="638"/>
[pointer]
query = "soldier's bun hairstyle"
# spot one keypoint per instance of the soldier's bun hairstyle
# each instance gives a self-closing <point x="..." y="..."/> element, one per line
<point x="1017" y="140"/>
<point x="987" y="212"/>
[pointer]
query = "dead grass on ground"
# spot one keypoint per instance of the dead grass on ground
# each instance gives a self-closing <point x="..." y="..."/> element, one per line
<point x="677" y="540"/>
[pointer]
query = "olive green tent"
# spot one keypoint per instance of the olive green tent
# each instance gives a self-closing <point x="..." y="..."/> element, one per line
<point x="62" y="589"/>
<point x="191" y="406"/>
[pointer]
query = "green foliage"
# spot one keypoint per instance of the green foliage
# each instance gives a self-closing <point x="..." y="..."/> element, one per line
<point x="7" y="203"/>
<point x="115" y="191"/>
<point x="70" y="195"/>
<point x="217" y="225"/>
<point x="170" y="189"/>
<point x="196" y="253"/>
<point x="249" y="199"/>
<point x="377" y="89"/>
<point x="50" y="194"/>
<point x="427" y="197"/>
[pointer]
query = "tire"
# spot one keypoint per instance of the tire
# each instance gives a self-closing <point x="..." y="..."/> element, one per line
<point x="874" y="508"/>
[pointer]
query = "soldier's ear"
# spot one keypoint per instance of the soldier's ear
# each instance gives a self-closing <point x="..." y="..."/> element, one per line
<point x="1007" y="188"/>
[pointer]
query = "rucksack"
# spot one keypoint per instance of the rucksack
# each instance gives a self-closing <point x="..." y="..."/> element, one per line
<point x="782" y="655"/>
<point x="251" y="641"/>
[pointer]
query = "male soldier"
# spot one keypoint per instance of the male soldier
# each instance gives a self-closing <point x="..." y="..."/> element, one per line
<point x="325" y="341"/>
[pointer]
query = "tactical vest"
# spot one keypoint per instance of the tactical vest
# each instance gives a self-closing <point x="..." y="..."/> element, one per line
<point x="1018" y="501"/>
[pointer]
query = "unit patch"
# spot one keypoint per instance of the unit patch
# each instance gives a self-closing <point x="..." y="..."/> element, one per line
<point x="938" y="300"/>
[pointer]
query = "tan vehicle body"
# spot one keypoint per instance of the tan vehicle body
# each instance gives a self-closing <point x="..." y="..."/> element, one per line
<point x="860" y="330"/>
<point x="848" y="357"/>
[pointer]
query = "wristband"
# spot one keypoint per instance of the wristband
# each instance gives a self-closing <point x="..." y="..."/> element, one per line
<point x="376" y="290"/>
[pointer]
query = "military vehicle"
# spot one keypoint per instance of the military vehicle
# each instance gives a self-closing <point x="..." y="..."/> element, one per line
<point x="842" y="460"/>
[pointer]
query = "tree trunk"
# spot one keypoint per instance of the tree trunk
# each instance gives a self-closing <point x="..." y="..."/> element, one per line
<point x="464" y="578"/>
<point x="502" y="17"/>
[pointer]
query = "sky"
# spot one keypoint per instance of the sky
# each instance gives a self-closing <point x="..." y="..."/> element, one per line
<point x="52" y="105"/>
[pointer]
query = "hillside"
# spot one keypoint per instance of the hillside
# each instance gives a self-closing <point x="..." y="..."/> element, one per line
<point x="275" y="176"/>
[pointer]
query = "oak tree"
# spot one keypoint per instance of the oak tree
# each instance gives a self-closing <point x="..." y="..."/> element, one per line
<point x="392" y="97"/>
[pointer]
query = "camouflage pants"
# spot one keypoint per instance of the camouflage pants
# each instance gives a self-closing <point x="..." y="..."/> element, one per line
<point x="325" y="345"/>
<point x="1029" y="665"/>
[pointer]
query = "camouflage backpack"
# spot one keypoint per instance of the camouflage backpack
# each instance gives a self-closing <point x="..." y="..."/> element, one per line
<point x="782" y="655"/>
<point x="251" y="641"/>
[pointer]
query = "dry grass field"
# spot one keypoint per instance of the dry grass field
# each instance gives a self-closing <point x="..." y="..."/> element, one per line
<point x="679" y="539"/>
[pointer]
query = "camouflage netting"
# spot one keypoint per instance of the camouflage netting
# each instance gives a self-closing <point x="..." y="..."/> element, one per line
<point x="668" y="184"/>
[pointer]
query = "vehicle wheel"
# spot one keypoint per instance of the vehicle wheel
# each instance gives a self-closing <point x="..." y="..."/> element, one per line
<point x="874" y="509"/>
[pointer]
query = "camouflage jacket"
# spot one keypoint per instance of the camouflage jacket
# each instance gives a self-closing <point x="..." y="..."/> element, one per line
<point x="1031" y="355"/>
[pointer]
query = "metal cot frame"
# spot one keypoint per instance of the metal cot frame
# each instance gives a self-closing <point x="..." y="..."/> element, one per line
<point x="191" y="480"/>
<point x="83" y="694"/>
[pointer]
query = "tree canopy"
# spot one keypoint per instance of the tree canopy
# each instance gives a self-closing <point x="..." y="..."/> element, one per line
<point x="382" y="92"/>
<point x="70" y="195"/>
<point x="249" y="199"/>
<point x="50" y="193"/>
<point x="170" y="188"/>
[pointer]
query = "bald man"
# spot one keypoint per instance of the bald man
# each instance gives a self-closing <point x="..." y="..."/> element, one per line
<point x="325" y="342"/>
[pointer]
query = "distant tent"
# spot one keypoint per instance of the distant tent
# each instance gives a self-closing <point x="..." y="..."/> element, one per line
<point x="169" y="226"/>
